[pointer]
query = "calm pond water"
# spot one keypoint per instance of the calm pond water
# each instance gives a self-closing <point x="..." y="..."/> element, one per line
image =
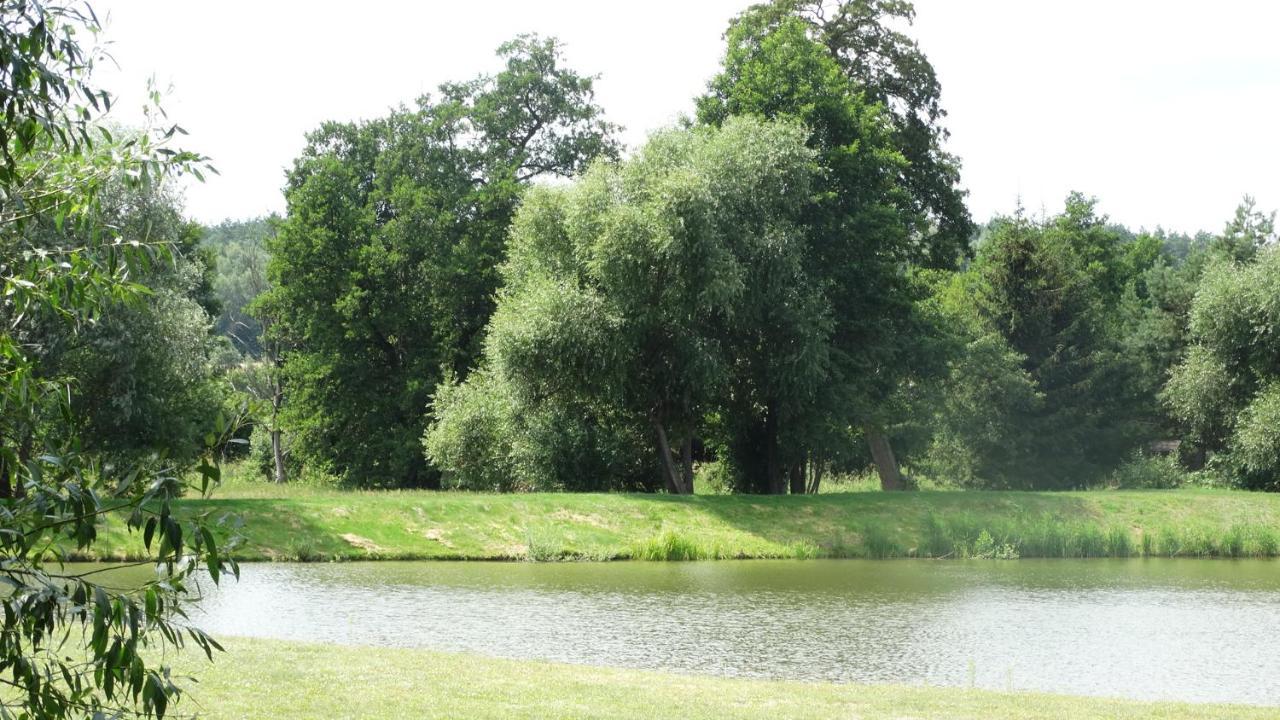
<point x="1201" y="630"/>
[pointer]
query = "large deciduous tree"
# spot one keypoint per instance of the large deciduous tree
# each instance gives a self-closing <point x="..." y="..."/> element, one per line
<point x="888" y="201"/>
<point x="630" y="295"/>
<point x="385" y="269"/>
<point x="1226" y="391"/>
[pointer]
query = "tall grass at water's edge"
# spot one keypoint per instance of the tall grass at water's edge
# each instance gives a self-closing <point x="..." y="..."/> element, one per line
<point x="956" y="538"/>
<point x="965" y="537"/>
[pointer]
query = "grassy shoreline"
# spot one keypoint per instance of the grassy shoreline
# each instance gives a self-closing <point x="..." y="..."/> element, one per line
<point x="301" y="524"/>
<point x="284" y="680"/>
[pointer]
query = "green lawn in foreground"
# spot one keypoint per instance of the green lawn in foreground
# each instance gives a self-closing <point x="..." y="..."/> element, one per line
<point x="283" y="680"/>
<point x="287" y="523"/>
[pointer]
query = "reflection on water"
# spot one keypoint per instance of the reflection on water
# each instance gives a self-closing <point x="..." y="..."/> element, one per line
<point x="1150" y="629"/>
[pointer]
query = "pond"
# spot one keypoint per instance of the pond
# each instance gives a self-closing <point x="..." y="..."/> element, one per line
<point x="1196" y="630"/>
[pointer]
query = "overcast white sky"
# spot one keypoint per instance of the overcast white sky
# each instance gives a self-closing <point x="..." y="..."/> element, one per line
<point x="1166" y="111"/>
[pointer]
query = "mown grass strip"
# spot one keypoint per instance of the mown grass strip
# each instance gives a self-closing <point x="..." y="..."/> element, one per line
<point x="287" y="680"/>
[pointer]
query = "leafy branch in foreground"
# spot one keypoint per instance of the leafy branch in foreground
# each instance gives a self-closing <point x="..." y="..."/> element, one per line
<point x="71" y="645"/>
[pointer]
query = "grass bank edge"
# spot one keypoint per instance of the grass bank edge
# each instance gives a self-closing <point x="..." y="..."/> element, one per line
<point x="409" y="525"/>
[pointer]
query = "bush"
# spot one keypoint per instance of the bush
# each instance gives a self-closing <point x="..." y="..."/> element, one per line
<point x="486" y="439"/>
<point x="1146" y="472"/>
<point x="713" y="478"/>
<point x="1255" y="449"/>
<point x="469" y="441"/>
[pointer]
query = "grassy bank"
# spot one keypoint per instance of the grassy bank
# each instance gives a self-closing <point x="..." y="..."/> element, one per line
<point x="282" y="680"/>
<point x="309" y="524"/>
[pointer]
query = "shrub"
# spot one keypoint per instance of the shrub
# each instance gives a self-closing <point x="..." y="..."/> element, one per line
<point x="1145" y="472"/>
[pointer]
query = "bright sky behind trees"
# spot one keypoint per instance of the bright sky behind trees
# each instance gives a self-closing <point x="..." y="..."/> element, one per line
<point x="1164" y="111"/>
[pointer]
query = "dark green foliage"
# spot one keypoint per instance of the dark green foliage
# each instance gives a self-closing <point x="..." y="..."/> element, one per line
<point x="385" y="269"/>
<point x="145" y="372"/>
<point x="1043" y="394"/>
<point x="877" y="60"/>
<point x="1156" y="312"/>
<point x="969" y="421"/>
<point x="1047" y="293"/>
<point x="888" y="198"/>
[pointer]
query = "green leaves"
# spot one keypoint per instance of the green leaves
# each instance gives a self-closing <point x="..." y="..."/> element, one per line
<point x="1043" y="378"/>
<point x="385" y="270"/>
<point x="69" y="645"/>
<point x="1224" y="391"/>
<point x="626" y="295"/>
<point x="886" y="198"/>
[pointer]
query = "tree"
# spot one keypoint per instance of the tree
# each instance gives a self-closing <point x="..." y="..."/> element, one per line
<point x="241" y="251"/>
<point x="1247" y="233"/>
<point x="890" y="69"/>
<point x="889" y="200"/>
<point x="1224" y="392"/>
<point x="384" y="271"/>
<point x="966" y="423"/>
<point x="628" y="294"/>
<point x="69" y="644"/>
<point x="145" y="372"/>
<point x="1157" y="311"/>
<point x="1041" y="289"/>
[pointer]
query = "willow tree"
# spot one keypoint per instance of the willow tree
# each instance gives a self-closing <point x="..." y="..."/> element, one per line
<point x="630" y="292"/>
<point x="888" y="201"/>
<point x="383" y="272"/>
<point x="1226" y="390"/>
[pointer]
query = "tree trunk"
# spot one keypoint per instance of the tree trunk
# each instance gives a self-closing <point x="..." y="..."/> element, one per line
<point x="797" y="479"/>
<point x="277" y="401"/>
<point x="670" y="474"/>
<point x="277" y="446"/>
<point x="686" y="462"/>
<point x="815" y="476"/>
<point x="277" y="455"/>
<point x="882" y="453"/>
<point x="6" y="480"/>
<point x="11" y="473"/>
<point x="24" y="457"/>
<point x="686" y="447"/>
<point x="773" y="468"/>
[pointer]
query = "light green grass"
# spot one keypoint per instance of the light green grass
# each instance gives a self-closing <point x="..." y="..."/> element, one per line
<point x="284" y="680"/>
<point x="309" y="523"/>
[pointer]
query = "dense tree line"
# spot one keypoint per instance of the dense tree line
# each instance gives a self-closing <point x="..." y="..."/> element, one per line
<point x="479" y="291"/>
<point x="786" y="286"/>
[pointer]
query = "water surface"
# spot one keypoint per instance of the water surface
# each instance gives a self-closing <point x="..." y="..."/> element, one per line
<point x="1197" y="630"/>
